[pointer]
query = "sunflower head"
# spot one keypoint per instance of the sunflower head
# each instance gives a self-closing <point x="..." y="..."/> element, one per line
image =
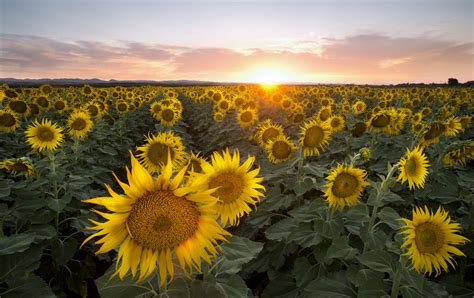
<point x="314" y="136"/>
<point x="60" y="105"/>
<point x="19" y="107"/>
<point x="44" y="135"/>
<point x="8" y="121"/>
<point x="79" y="124"/>
<point x="336" y="123"/>
<point x="246" y="117"/>
<point x="159" y="148"/>
<point x="280" y="149"/>
<point x="168" y="116"/>
<point x="430" y="238"/>
<point x="155" y="219"/>
<point x="414" y="168"/>
<point x="18" y="166"/>
<point x="236" y="185"/>
<point x="345" y="185"/>
<point x="268" y="131"/>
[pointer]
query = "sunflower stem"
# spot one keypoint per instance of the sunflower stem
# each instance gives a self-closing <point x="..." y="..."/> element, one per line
<point x="299" y="175"/>
<point x="397" y="277"/>
<point x="54" y="183"/>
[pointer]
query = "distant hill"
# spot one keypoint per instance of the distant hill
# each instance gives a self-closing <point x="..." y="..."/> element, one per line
<point x="176" y="83"/>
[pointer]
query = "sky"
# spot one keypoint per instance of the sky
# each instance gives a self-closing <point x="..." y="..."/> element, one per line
<point x="321" y="41"/>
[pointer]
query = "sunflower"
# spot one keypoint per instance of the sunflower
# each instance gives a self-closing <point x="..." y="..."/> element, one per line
<point x="336" y="123"/>
<point x="194" y="163"/>
<point x="42" y="102"/>
<point x="121" y="106"/>
<point x="237" y="185"/>
<point x="155" y="219"/>
<point x="459" y="154"/>
<point x="314" y="136"/>
<point x="380" y="121"/>
<point x="359" y="107"/>
<point x="414" y="168"/>
<point x="324" y="114"/>
<point x="155" y="152"/>
<point x="79" y="124"/>
<point x="60" y="105"/>
<point x="8" y="121"/>
<point x="246" y="117"/>
<point x="268" y="131"/>
<point x="44" y="135"/>
<point x="18" y="166"/>
<point x="358" y="129"/>
<point x="93" y="110"/>
<point x="168" y="116"/>
<point x="430" y="238"/>
<point x="279" y="149"/>
<point x="345" y="186"/>
<point x="432" y="133"/>
<point x="453" y="126"/>
<point x="19" y="107"/>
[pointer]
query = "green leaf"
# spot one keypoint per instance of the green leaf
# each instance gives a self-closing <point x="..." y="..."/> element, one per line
<point x="309" y="211"/>
<point x="304" y="272"/>
<point x="237" y="252"/>
<point x="377" y="260"/>
<point x="5" y="188"/>
<point x="304" y="235"/>
<point x="233" y="286"/>
<point x="282" y="229"/>
<point x="390" y="217"/>
<point x="15" y="243"/>
<point x="281" y="286"/>
<point x="340" y="248"/>
<point x="63" y="251"/>
<point x="116" y="287"/>
<point x="33" y="286"/>
<point x="179" y="287"/>
<point x="335" y="285"/>
<point x="17" y="266"/>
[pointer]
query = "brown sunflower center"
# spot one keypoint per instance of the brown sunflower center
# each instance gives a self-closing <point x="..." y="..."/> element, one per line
<point x="93" y="110"/>
<point x="59" y="105"/>
<point x="298" y="118"/>
<point x="160" y="220"/>
<point x="7" y="120"/>
<point x="122" y="107"/>
<point x="19" y="167"/>
<point x="358" y="129"/>
<point x="167" y="115"/>
<point x="158" y="153"/>
<point x="429" y="238"/>
<point x="344" y="185"/>
<point x="229" y="186"/>
<point x="281" y="150"/>
<point x="224" y="105"/>
<point x="324" y="115"/>
<point x="410" y="166"/>
<point x="313" y="136"/>
<point x="246" y="116"/>
<point x="270" y="134"/>
<point x="18" y="106"/>
<point x="435" y="130"/>
<point x="380" y="121"/>
<point x="335" y="122"/>
<point x="43" y="102"/>
<point x="45" y="134"/>
<point x="79" y="124"/>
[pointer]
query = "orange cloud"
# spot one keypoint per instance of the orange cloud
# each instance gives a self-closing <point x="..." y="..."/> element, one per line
<point x="368" y="58"/>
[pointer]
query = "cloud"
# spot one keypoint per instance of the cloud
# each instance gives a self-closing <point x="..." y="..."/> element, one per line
<point x="363" y="58"/>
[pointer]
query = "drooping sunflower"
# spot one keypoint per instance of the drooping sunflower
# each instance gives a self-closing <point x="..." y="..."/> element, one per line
<point x="155" y="219"/>
<point x="8" y="121"/>
<point x="380" y="121"/>
<point x="459" y="153"/>
<point x="358" y="129"/>
<point x="453" y="126"/>
<point x="155" y="152"/>
<point x="314" y="136"/>
<point x="79" y="124"/>
<point x="414" y="168"/>
<point x="44" y="135"/>
<point x="237" y="185"/>
<point x="432" y="133"/>
<point x="430" y="238"/>
<point x="345" y="185"/>
<point x="246" y="117"/>
<point x="18" y="166"/>
<point x="279" y="149"/>
<point x="268" y="131"/>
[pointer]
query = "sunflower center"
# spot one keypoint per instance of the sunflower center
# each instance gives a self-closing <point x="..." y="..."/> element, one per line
<point x="160" y="220"/>
<point x="358" y="129"/>
<point x="410" y="166"/>
<point x="229" y="187"/>
<point x="344" y="185"/>
<point x="313" y="136"/>
<point x="59" y="105"/>
<point x="246" y="116"/>
<point x="122" y="107"/>
<point x="19" y="167"/>
<point x="298" y="118"/>
<point x="79" y="124"/>
<point x="43" y="102"/>
<point x="7" y="120"/>
<point x="324" y="115"/>
<point x="158" y="153"/>
<point x="429" y="238"/>
<point x="18" y="106"/>
<point x="435" y="130"/>
<point x="381" y="121"/>
<point x="45" y="134"/>
<point x="167" y="115"/>
<point x="270" y="134"/>
<point x="281" y="150"/>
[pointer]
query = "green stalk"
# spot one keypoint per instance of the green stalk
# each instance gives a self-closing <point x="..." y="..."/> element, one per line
<point x="54" y="183"/>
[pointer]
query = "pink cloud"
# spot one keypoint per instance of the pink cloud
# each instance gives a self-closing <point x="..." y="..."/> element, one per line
<point x="368" y="58"/>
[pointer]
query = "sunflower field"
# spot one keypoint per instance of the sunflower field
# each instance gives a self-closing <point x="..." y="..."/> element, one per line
<point x="236" y="191"/>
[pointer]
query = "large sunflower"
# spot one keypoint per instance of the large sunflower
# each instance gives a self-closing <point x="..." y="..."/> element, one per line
<point x="336" y="123"/>
<point x="279" y="149"/>
<point x="8" y="121"/>
<point x="237" y="185"/>
<point x="345" y="186"/>
<point x="430" y="238"/>
<point x="155" y="152"/>
<point x="79" y="124"/>
<point x="314" y="137"/>
<point x="414" y="168"/>
<point x="155" y="219"/>
<point x="246" y="117"/>
<point x="44" y="135"/>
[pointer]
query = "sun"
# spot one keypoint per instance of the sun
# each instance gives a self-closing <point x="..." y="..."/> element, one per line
<point x="268" y="77"/>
